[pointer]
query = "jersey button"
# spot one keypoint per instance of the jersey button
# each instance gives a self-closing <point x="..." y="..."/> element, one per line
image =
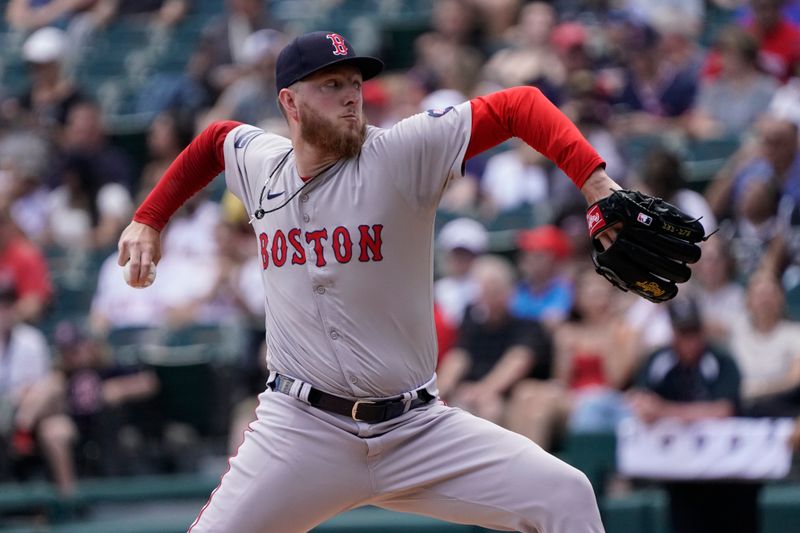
<point x="353" y="380"/>
<point x="320" y="289"/>
<point x="334" y="334"/>
<point x="304" y="198"/>
<point x="306" y="218"/>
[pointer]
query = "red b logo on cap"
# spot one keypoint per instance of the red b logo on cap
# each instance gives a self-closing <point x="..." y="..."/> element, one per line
<point x="339" y="46"/>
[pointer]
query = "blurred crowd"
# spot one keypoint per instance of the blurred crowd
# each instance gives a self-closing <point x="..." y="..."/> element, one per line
<point x="695" y="101"/>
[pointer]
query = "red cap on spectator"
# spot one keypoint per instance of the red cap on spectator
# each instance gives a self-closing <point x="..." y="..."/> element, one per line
<point x="545" y="239"/>
<point x="374" y="93"/>
<point x="568" y="35"/>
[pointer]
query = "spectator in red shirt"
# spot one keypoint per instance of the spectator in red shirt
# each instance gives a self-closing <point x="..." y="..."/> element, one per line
<point x="778" y="38"/>
<point x="23" y="265"/>
<point x="446" y="332"/>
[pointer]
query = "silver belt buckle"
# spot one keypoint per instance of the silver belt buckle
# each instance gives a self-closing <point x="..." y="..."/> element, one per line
<point x="354" y="412"/>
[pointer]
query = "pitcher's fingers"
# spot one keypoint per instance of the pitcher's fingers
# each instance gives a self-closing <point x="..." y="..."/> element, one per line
<point x="136" y="265"/>
<point x="124" y="254"/>
<point x="144" y="268"/>
<point x="608" y="237"/>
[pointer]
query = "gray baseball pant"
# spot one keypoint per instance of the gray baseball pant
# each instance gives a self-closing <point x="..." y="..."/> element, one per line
<point x="299" y="466"/>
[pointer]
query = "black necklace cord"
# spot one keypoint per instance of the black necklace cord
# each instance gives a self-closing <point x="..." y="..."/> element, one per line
<point x="260" y="212"/>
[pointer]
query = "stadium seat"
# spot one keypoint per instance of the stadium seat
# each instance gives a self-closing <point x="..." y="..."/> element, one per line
<point x="73" y="291"/>
<point x="793" y="303"/>
<point x="134" y="142"/>
<point x="642" y="511"/>
<point x="182" y="372"/>
<point x="520" y="217"/>
<point x="73" y="301"/>
<point x="443" y="217"/>
<point x="127" y="343"/>
<point x="21" y="497"/>
<point x="217" y="343"/>
<point x="716" y="17"/>
<point x="15" y="75"/>
<point x="592" y="453"/>
<point x="780" y="506"/>
<point x="704" y="158"/>
<point x="636" y="147"/>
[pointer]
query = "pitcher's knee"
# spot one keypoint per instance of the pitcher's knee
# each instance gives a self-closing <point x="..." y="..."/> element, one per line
<point x="578" y="486"/>
<point x="575" y="504"/>
<point x="565" y="503"/>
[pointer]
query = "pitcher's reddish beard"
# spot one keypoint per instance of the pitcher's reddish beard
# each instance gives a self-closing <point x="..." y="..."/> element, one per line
<point x="339" y="141"/>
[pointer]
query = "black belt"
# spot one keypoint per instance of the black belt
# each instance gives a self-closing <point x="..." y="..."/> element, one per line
<point x="368" y="411"/>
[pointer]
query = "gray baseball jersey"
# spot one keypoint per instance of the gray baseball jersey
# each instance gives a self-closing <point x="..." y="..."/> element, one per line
<point x="347" y="266"/>
<point x="347" y="263"/>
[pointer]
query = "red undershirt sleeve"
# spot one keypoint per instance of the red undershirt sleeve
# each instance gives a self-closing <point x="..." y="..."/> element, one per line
<point x="193" y="169"/>
<point x="526" y="113"/>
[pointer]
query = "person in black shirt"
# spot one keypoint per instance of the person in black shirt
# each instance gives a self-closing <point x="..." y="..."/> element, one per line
<point x="94" y="392"/>
<point x="494" y="349"/>
<point x="692" y="380"/>
<point x="50" y="94"/>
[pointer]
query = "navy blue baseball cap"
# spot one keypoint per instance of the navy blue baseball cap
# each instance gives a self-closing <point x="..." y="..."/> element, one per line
<point x="684" y="313"/>
<point x="316" y="50"/>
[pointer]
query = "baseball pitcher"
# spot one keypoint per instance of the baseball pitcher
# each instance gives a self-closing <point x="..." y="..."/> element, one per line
<point x="343" y="215"/>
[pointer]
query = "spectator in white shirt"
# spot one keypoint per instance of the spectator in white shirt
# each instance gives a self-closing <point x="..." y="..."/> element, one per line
<point x="767" y="350"/>
<point x="460" y="242"/>
<point x="28" y="416"/>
